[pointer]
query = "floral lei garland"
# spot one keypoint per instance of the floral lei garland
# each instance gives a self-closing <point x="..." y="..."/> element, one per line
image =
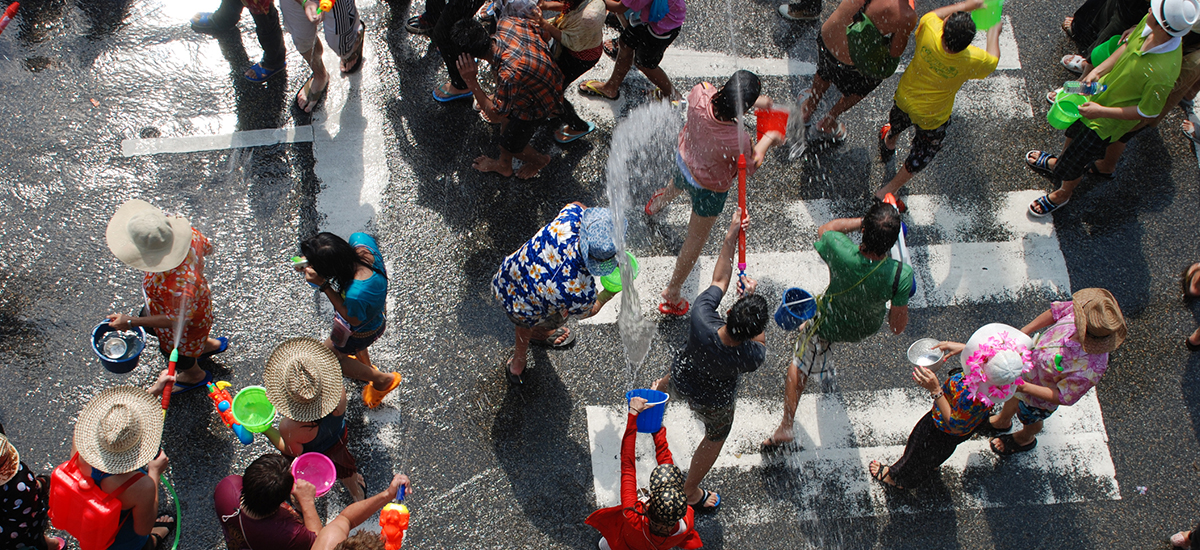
<point x="975" y="377"/>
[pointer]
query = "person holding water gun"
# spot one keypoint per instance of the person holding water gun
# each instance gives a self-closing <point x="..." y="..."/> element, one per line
<point x="171" y="252"/>
<point x="336" y="534"/>
<point x="345" y="33"/>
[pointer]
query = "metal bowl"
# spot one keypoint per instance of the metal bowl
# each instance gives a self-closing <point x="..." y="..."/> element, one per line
<point x="923" y="353"/>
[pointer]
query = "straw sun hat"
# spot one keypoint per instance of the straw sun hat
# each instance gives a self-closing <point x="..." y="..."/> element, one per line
<point x="303" y="380"/>
<point x="10" y="461"/>
<point x="119" y="430"/>
<point x="993" y="359"/>
<point x="1098" y="318"/>
<point x="140" y="235"/>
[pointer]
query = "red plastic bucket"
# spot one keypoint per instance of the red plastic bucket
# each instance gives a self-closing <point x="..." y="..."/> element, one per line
<point x="771" y="120"/>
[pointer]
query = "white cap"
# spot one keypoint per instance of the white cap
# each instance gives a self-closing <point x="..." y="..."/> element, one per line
<point x="1176" y="16"/>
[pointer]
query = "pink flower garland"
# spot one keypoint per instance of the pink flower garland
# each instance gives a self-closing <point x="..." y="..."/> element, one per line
<point x="975" y="377"/>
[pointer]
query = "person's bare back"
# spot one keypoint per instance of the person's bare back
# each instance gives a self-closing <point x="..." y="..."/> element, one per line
<point x="892" y="17"/>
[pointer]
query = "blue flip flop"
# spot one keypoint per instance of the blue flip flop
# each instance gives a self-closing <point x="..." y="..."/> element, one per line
<point x="184" y="388"/>
<point x="701" y="506"/>
<point x="202" y="23"/>
<point x="591" y="128"/>
<point x="449" y="98"/>
<point x="1047" y="205"/>
<point x="224" y="346"/>
<point x="262" y="74"/>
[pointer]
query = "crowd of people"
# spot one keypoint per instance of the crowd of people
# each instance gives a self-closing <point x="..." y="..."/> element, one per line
<point x="1052" y="361"/>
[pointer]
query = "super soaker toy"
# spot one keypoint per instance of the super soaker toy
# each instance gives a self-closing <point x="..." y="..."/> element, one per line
<point x="325" y="6"/>
<point x="224" y="404"/>
<point x="166" y="396"/>
<point x="394" y="522"/>
<point x="9" y="14"/>
<point x="742" y="204"/>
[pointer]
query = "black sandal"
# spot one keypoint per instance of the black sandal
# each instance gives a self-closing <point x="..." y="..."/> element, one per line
<point x="1010" y="445"/>
<point x="514" y="379"/>
<point x="1187" y="341"/>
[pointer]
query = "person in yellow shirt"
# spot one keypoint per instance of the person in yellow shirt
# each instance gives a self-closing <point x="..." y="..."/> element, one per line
<point x="942" y="61"/>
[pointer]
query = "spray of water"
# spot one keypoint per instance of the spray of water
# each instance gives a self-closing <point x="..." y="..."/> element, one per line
<point x="184" y="295"/>
<point x="642" y="157"/>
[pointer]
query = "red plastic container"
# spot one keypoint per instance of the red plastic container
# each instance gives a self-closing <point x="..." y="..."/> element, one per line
<point x="771" y="120"/>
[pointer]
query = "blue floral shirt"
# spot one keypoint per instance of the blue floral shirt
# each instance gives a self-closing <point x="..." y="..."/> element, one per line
<point x="965" y="412"/>
<point x="547" y="274"/>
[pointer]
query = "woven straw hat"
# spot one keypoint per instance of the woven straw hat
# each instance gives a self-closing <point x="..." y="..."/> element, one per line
<point x="10" y="461"/>
<point x="119" y="430"/>
<point x="303" y="380"/>
<point x="1098" y="318"/>
<point x="140" y="235"/>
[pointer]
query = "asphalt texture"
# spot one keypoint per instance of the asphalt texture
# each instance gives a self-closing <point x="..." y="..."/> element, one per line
<point x="492" y="466"/>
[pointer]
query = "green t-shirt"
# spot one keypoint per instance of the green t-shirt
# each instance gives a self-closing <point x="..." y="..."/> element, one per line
<point x="1142" y="79"/>
<point x="857" y="313"/>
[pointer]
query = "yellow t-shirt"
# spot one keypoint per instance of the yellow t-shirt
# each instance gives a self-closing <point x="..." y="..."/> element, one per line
<point x="933" y="77"/>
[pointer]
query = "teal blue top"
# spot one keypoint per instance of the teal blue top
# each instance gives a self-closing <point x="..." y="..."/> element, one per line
<point x="366" y="300"/>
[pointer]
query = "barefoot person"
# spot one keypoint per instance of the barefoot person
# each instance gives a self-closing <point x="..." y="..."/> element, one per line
<point x="171" y="252"/>
<point x="344" y="33"/>
<point x="862" y="280"/>
<point x="992" y="363"/>
<point x="528" y="91"/>
<point x="717" y="353"/>
<point x="880" y="30"/>
<point x="706" y="165"/>
<point x="1069" y="358"/>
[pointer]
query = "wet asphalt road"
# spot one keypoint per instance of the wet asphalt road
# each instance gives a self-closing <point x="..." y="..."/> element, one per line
<point x="494" y="467"/>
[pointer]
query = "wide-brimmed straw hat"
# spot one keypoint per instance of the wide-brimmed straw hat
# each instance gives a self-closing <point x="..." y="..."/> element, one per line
<point x="10" y="461"/>
<point x="140" y="235"/>
<point x="119" y="430"/>
<point x="303" y="380"/>
<point x="1098" y="318"/>
<point x="993" y="358"/>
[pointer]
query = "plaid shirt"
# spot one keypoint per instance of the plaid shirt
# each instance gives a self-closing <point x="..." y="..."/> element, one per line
<point x="528" y="83"/>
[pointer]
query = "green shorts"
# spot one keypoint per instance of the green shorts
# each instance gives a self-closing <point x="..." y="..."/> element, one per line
<point x="705" y="203"/>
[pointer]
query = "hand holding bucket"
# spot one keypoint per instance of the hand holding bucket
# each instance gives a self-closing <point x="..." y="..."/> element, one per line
<point x="650" y="419"/>
<point x="316" y="469"/>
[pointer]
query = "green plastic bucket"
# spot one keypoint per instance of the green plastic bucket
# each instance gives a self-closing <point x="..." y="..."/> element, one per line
<point x="1103" y="51"/>
<point x="252" y="408"/>
<point x="612" y="281"/>
<point x="1065" y="111"/>
<point x="989" y="15"/>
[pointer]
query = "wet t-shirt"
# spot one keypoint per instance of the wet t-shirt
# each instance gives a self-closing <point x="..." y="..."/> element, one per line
<point x="859" y="288"/>
<point x="283" y="531"/>
<point x="706" y="370"/>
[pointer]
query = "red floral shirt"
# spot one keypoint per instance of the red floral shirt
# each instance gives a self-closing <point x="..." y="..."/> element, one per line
<point x="164" y="294"/>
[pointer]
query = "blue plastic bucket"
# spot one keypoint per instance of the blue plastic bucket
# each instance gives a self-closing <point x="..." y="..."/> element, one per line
<point x="790" y="317"/>
<point x="650" y="420"/>
<point x="127" y="362"/>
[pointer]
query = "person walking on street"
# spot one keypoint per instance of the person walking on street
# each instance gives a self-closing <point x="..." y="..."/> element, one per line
<point x="576" y="35"/>
<point x="645" y="37"/>
<point x="266" y="23"/>
<point x="345" y="33"/>
<point x="862" y="280"/>
<point x="718" y="351"/>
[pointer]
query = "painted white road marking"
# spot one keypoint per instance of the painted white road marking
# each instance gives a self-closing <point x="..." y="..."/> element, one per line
<point x="236" y="140"/>
<point x="955" y="271"/>
<point x="839" y="434"/>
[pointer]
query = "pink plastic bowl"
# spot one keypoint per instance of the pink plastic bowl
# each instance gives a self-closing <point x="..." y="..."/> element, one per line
<point x="317" y="469"/>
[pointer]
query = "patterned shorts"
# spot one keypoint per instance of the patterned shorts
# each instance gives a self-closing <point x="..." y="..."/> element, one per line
<point x="925" y="144"/>
<point x="1029" y="414"/>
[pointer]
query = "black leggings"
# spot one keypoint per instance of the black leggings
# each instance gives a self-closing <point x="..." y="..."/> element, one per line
<point x="270" y="34"/>
<point x="444" y="15"/>
<point x="572" y="68"/>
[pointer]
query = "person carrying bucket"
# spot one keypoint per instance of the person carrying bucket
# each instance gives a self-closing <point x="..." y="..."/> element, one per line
<point x="304" y="383"/>
<point x="706" y="165"/>
<point x="171" y="252"/>
<point x="254" y="512"/>
<point x="1139" y="77"/>
<point x="862" y="280"/>
<point x="718" y="351"/>
<point x="662" y="521"/>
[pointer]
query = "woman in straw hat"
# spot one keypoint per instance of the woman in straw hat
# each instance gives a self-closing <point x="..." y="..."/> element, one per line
<point x="992" y="362"/>
<point x="171" y="252"/>
<point x="304" y="382"/>
<point x="117" y="439"/>
<point x="1069" y="358"/>
<point x="22" y="503"/>
<point x="352" y="275"/>
<point x="662" y="521"/>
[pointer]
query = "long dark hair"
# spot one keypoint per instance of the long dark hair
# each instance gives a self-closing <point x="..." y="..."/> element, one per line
<point x="334" y="259"/>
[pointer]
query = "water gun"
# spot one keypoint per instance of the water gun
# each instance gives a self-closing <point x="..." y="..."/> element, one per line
<point x="224" y="404"/>
<point x="166" y="396"/>
<point x="325" y="6"/>
<point x="9" y="14"/>
<point x="742" y="204"/>
<point x="393" y="521"/>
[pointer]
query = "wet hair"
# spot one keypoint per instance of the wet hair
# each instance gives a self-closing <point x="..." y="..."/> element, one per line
<point x="470" y="35"/>
<point x="747" y="318"/>
<point x="958" y="31"/>
<point x="266" y="484"/>
<point x="880" y="228"/>
<point x="363" y="540"/>
<point x="334" y="259"/>
<point x="744" y="85"/>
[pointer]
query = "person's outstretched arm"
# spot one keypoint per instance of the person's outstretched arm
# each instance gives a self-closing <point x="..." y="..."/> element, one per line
<point x="993" y="40"/>
<point x="841" y="225"/>
<point x="333" y="534"/>
<point x="723" y="271"/>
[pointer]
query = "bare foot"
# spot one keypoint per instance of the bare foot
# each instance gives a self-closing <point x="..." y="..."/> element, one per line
<point x="782" y="435"/>
<point x="487" y="164"/>
<point x="883" y="476"/>
<point x="711" y="502"/>
<point x="992" y="422"/>
<point x="530" y="169"/>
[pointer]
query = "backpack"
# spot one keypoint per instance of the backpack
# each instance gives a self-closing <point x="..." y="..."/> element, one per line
<point x="869" y="49"/>
<point x="80" y="507"/>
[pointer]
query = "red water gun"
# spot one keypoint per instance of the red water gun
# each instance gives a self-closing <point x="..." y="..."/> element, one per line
<point x="393" y="520"/>
<point x="9" y="14"/>
<point x="224" y="404"/>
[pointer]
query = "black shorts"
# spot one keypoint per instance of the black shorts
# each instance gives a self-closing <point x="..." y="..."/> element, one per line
<point x="648" y="47"/>
<point x="925" y="144"/>
<point x="1086" y="146"/>
<point x="517" y="133"/>
<point x="846" y="77"/>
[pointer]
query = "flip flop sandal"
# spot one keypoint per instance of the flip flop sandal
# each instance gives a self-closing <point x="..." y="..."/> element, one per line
<point x="1185" y="281"/>
<point x="838" y="135"/>
<point x="1010" y="446"/>
<point x="1092" y="170"/>
<point x="1074" y="63"/>
<point x="314" y="98"/>
<point x="881" y="475"/>
<point x="1048" y="206"/>
<point x="674" y="310"/>
<point x="563" y="137"/>
<point x="1052" y="96"/>
<point x="987" y="429"/>
<point x="653" y="198"/>
<point x="610" y="49"/>
<point x="885" y="154"/>
<point x="203" y="23"/>
<point x="372" y="397"/>
<point x="549" y="342"/>
<point x="1190" y="346"/>
<point x="701" y="506"/>
<point x="514" y="379"/>
<point x="169" y="525"/>
<point x="221" y="349"/>
<point x="442" y="94"/>
<point x="179" y="387"/>
<point x="358" y="50"/>
<point x="263" y="74"/>
<point x="590" y="89"/>
<point x="1042" y="164"/>
<point x="418" y="25"/>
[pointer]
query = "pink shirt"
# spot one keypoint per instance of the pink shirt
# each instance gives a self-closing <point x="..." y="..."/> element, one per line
<point x="709" y="146"/>
<point x="676" y="12"/>
<point x="1080" y="370"/>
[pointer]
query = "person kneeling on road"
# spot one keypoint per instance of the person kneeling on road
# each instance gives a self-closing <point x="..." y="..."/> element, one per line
<point x="254" y="512"/>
